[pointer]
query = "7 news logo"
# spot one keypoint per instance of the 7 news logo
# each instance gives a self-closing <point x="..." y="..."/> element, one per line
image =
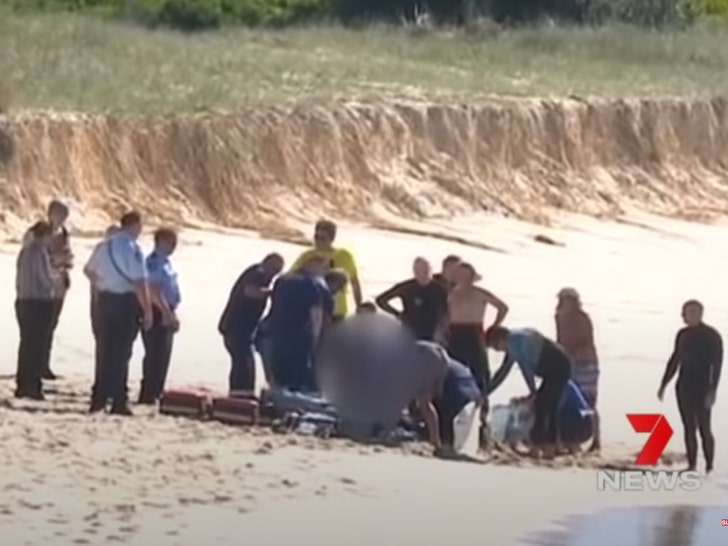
<point x="660" y="433"/>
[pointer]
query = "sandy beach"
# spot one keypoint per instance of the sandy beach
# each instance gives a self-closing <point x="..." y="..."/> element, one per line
<point x="69" y="478"/>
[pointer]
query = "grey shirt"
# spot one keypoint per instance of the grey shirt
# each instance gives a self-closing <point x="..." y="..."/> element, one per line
<point x="370" y="368"/>
<point x="34" y="277"/>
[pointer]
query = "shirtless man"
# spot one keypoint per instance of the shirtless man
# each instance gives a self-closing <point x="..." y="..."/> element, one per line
<point x="467" y="305"/>
<point x="698" y="355"/>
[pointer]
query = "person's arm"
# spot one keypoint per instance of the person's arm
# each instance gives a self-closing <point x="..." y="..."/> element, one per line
<point x="672" y="366"/>
<point x="138" y="274"/>
<point x="500" y="374"/>
<point x="500" y="306"/>
<point x="348" y="264"/>
<point x="317" y="321"/>
<point x="529" y="379"/>
<point x="432" y="420"/>
<point x="559" y="329"/>
<point x="717" y="364"/>
<point x="90" y="268"/>
<point x="45" y="270"/>
<point x="256" y="291"/>
<point x="585" y="333"/>
<point x="383" y="300"/>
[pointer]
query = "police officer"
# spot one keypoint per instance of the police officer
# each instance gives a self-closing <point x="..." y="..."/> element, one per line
<point x="122" y="296"/>
<point x="165" y="296"/>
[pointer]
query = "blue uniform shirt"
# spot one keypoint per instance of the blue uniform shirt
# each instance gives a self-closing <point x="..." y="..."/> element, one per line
<point x="118" y="263"/>
<point x="162" y="275"/>
<point x="293" y="297"/>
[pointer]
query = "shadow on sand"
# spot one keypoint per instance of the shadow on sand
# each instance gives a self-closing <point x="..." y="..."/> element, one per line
<point x="679" y="525"/>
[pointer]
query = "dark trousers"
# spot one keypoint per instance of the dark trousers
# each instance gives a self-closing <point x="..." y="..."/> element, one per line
<point x="292" y="361"/>
<point x="242" y="362"/>
<point x="35" y="320"/>
<point x="695" y="417"/>
<point x="118" y="326"/>
<point x="97" y="350"/>
<point x="158" y="342"/>
<point x="555" y="371"/>
<point x="56" y="309"/>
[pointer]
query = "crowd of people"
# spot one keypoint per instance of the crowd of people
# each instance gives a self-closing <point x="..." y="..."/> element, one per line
<point x="430" y="348"/>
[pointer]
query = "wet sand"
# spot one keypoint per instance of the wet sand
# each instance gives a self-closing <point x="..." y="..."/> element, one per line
<point x="74" y="479"/>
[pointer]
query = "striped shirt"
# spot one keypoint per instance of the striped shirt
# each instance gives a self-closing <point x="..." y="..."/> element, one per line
<point x="34" y="274"/>
<point x="61" y="258"/>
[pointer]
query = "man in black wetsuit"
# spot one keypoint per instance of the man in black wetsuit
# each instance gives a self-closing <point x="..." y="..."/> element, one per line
<point x="424" y="301"/>
<point x="698" y="354"/>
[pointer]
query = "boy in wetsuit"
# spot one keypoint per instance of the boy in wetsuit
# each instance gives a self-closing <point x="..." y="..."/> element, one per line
<point x="698" y="355"/>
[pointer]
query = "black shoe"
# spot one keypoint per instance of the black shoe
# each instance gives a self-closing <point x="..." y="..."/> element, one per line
<point x="146" y="400"/>
<point x="48" y="375"/>
<point x="30" y="395"/>
<point x="97" y="406"/>
<point x="121" y="409"/>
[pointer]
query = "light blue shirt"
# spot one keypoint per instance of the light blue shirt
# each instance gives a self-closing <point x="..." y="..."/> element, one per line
<point x="162" y="274"/>
<point x="118" y="263"/>
<point x="524" y="347"/>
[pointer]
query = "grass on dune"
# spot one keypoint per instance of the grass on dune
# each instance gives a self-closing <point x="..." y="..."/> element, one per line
<point x="72" y="62"/>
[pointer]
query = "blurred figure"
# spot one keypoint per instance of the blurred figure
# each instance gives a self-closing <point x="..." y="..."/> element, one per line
<point x="165" y="296"/>
<point x="36" y="286"/>
<point x="61" y="257"/>
<point x="575" y="333"/>
<point x="370" y="367"/>
<point x="467" y="307"/>
<point x="698" y="355"/>
<point x="423" y="300"/>
<point x="334" y="258"/>
<point x="123" y="295"/>
<point x="240" y="320"/>
<point x="92" y="277"/>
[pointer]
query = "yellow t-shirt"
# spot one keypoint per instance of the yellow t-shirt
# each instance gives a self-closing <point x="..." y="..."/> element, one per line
<point x="338" y="258"/>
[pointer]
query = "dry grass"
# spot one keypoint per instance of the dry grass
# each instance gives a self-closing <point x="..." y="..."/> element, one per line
<point x="70" y="62"/>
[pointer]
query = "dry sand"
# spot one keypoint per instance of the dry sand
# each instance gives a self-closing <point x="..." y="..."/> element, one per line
<point x="69" y="478"/>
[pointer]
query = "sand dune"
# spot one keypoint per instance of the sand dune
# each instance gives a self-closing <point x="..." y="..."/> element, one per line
<point x="522" y="158"/>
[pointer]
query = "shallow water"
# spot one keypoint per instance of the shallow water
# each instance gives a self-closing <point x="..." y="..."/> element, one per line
<point x="680" y="525"/>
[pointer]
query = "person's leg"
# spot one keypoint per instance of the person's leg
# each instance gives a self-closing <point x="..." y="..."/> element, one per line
<point x="105" y="347"/>
<point x="231" y="346"/>
<point x="165" y="358"/>
<point x="706" y="436"/>
<point x="154" y="341"/>
<point x="94" y="315"/>
<point x="126" y="325"/>
<point x="688" y="415"/>
<point x="24" y="375"/>
<point x="56" y="310"/>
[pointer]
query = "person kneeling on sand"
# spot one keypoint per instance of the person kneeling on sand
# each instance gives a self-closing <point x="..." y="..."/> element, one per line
<point x="371" y="367"/>
<point x="537" y="356"/>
